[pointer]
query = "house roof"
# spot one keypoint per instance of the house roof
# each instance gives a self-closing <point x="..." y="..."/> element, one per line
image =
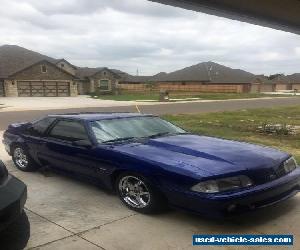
<point x="14" y="58"/>
<point x="294" y="78"/>
<point x="207" y="72"/>
<point x="44" y="61"/>
<point x="135" y="79"/>
<point x="85" y="72"/>
<point x="262" y="79"/>
<point x="65" y="61"/>
<point x="282" y="79"/>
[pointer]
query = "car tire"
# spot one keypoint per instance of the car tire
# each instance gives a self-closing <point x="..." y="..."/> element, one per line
<point x="139" y="195"/>
<point x="23" y="160"/>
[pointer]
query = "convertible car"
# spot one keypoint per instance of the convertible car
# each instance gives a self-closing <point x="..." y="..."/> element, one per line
<point x="152" y="163"/>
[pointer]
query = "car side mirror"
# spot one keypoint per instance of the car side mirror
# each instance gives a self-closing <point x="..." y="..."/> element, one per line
<point x="83" y="143"/>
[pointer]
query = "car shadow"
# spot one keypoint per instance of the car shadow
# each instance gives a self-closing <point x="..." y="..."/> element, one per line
<point x="16" y="235"/>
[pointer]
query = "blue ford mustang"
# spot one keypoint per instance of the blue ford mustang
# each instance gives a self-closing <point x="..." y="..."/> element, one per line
<point x="151" y="162"/>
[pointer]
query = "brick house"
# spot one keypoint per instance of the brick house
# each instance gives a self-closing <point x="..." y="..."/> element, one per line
<point x="97" y="80"/>
<point x="261" y="83"/>
<point x="27" y="73"/>
<point x="202" y="77"/>
<point x="294" y="81"/>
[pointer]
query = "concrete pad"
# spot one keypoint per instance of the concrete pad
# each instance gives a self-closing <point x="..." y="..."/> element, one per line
<point x="75" y="205"/>
<point x="70" y="243"/>
<point x="42" y="231"/>
<point x="172" y="230"/>
<point x="283" y="218"/>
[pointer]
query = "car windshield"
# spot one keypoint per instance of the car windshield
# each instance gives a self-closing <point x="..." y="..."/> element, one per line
<point x="120" y="129"/>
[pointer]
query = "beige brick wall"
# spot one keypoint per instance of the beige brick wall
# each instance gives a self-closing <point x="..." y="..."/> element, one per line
<point x="281" y="86"/>
<point x="73" y="88"/>
<point x="296" y="86"/>
<point x="190" y="87"/>
<point x="66" y="66"/>
<point x="103" y="75"/>
<point x="10" y="88"/>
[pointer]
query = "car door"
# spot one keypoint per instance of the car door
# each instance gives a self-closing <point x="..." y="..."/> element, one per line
<point x="34" y="136"/>
<point x="60" y="150"/>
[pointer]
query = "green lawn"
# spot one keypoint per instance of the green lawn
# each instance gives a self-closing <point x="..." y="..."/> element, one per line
<point x="244" y="126"/>
<point x="205" y="96"/>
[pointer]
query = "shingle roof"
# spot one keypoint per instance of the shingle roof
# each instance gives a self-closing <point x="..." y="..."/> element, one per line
<point x="85" y="72"/>
<point x="135" y="79"/>
<point x="294" y="78"/>
<point x="263" y="79"/>
<point x="64" y="60"/>
<point x="14" y="58"/>
<point x="208" y="72"/>
<point x="281" y="79"/>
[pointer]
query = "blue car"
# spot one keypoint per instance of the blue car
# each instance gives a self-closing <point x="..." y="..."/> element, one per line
<point x="150" y="162"/>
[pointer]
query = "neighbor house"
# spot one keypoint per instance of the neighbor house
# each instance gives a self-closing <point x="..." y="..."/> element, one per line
<point x="97" y="80"/>
<point x="262" y="83"/>
<point x="202" y="77"/>
<point x="27" y="73"/>
<point x="294" y="81"/>
<point x="282" y="82"/>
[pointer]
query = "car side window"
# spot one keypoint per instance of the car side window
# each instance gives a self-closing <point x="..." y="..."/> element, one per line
<point x="69" y="131"/>
<point x="39" y="127"/>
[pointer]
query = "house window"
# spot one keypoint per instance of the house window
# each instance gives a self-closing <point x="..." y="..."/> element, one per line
<point x="104" y="73"/>
<point x="104" y="85"/>
<point x="44" y="69"/>
<point x="62" y="65"/>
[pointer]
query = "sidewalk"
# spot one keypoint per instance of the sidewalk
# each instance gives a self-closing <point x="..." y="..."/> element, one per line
<point x="55" y="103"/>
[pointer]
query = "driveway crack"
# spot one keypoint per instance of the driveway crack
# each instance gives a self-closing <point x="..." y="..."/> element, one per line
<point x="71" y="232"/>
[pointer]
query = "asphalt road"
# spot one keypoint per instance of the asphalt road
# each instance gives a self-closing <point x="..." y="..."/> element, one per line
<point x="159" y="109"/>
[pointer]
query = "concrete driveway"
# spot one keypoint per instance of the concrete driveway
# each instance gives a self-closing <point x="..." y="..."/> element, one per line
<point x="46" y="103"/>
<point x="65" y="213"/>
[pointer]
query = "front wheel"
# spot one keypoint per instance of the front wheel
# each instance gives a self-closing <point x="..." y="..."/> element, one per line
<point x="23" y="160"/>
<point x="137" y="194"/>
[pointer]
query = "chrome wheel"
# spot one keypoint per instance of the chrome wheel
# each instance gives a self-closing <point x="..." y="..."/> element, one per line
<point x="20" y="158"/>
<point x="134" y="192"/>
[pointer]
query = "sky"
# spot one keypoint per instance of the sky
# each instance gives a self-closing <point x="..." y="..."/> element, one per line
<point x="133" y="35"/>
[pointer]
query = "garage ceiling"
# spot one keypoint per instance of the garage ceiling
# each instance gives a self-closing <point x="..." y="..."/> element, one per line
<point x="278" y="14"/>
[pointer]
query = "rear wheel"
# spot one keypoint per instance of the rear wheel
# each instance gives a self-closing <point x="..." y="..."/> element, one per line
<point x="23" y="160"/>
<point x="137" y="194"/>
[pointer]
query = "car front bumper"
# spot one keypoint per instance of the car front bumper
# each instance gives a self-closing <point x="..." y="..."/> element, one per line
<point x="226" y="204"/>
<point x="13" y="195"/>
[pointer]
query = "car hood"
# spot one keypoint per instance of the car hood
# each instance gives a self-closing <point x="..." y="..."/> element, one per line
<point x="202" y="155"/>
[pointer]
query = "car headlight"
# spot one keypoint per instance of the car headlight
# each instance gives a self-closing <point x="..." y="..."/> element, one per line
<point x="224" y="184"/>
<point x="290" y="164"/>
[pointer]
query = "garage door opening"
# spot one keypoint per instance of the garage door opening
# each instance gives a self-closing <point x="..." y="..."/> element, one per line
<point x="43" y="89"/>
